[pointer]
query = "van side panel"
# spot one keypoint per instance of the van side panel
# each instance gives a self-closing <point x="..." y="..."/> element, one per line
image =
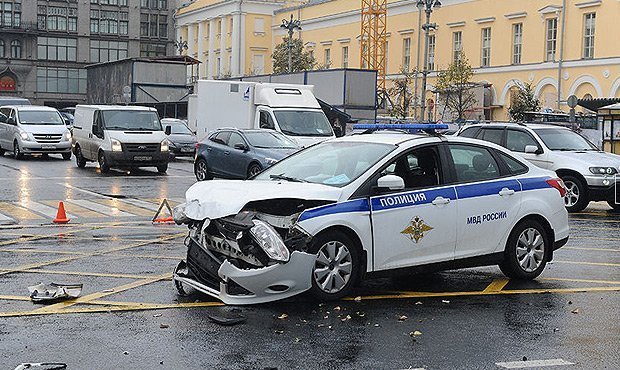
<point x="82" y="126"/>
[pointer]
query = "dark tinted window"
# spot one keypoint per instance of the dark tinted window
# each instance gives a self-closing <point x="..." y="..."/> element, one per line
<point x="513" y="165"/>
<point x="418" y="168"/>
<point x="517" y="140"/>
<point x="221" y="137"/>
<point x="470" y="132"/>
<point x="473" y="163"/>
<point x="492" y="135"/>
<point x="266" y="121"/>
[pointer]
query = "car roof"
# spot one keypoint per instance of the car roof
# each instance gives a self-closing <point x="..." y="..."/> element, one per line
<point x="30" y="107"/>
<point x="532" y="126"/>
<point x="393" y="138"/>
<point x="118" y="107"/>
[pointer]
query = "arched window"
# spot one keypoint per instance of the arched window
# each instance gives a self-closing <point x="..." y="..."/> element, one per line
<point x="16" y="49"/>
<point x="1" y="48"/>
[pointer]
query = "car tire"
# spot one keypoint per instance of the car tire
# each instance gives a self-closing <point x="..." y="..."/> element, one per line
<point x="612" y="204"/>
<point x="201" y="170"/>
<point x="576" y="198"/>
<point x="17" y="153"/>
<point x="80" y="161"/>
<point x="162" y="168"/>
<point x="254" y="169"/>
<point x="527" y="250"/>
<point x="336" y="269"/>
<point x="1" y="152"/>
<point x="104" y="167"/>
<point x="66" y="156"/>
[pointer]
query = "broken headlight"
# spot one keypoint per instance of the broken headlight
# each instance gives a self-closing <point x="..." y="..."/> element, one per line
<point x="269" y="240"/>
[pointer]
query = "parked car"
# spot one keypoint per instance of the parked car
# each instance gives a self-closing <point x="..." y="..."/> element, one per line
<point x="67" y="118"/>
<point x="12" y="100"/>
<point x="588" y="173"/>
<point x="30" y="129"/>
<point x="369" y="205"/>
<point x="181" y="140"/>
<point x="240" y="154"/>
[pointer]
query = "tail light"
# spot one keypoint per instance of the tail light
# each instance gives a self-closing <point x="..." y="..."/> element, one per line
<point x="559" y="185"/>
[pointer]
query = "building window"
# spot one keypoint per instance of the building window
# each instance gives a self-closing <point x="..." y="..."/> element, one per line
<point x="154" y="4"/>
<point x="328" y="58"/>
<point x="517" y="42"/>
<point x="485" y="59"/>
<point x="431" y="53"/>
<point x="56" y="48"/>
<point x="552" y="37"/>
<point x="406" y="53"/>
<point x="1" y="48"/>
<point x="588" y="35"/>
<point x="152" y="50"/>
<point x="259" y="25"/>
<point x="107" y="51"/>
<point x="258" y="64"/>
<point x="154" y="25"/>
<point x="109" y="22"/>
<point x="109" y="2"/>
<point x="345" y="57"/>
<point x="457" y="44"/>
<point x="57" y="18"/>
<point x="10" y="14"/>
<point x="61" y="80"/>
<point x="16" y="49"/>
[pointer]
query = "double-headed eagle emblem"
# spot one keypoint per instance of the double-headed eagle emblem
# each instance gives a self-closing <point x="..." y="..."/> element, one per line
<point x="416" y="229"/>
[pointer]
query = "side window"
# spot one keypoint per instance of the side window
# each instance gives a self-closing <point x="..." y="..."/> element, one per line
<point x="234" y="139"/>
<point x="515" y="167"/>
<point x="13" y="115"/>
<point x="517" y="140"/>
<point x="4" y="114"/>
<point x="470" y="132"/>
<point x="473" y="163"/>
<point x="266" y="121"/>
<point x="221" y="137"/>
<point x="418" y="168"/>
<point x="492" y="135"/>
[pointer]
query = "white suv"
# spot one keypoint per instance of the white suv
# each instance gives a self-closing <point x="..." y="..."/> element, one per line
<point x="588" y="173"/>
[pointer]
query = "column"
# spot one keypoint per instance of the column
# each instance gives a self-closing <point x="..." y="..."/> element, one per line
<point x="191" y="31"/>
<point x="222" y="47"/>
<point x="211" y="62"/>
<point x="201" y="49"/>
<point x="235" y="68"/>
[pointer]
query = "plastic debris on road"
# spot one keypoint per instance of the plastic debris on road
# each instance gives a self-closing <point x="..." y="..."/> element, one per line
<point x="42" y="366"/>
<point x="42" y="293"/>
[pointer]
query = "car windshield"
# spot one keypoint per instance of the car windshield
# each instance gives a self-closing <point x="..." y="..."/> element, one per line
<point x="334" y="163"/>
<point x="269" y="139"/>
<point x="131" y="120"/>
<point x="564" y="140"/>
<point x="178" y="128"/>
<point x="303" y="123"/>
<point x="40" y="117"/>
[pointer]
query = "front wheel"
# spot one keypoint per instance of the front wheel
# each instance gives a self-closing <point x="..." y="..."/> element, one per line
<point x="576" y="197"/>
<point x="612" y="203"/>
<point x="254" y="169"/>
<point x="526" y="251"/>
<point x="66" y="156"/>
<point x="103" y="163"/>
<point x="336" y="269"/>
<point x="1" y="152"/>
<point x="17" y="153"/>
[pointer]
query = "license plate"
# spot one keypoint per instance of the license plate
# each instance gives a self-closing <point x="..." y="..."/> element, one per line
<point x="48" y="146"/>
<point x="142" y="158"/>
<point x="187" y="150"/>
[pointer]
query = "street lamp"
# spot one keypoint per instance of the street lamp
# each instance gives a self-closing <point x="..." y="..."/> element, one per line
<point x="291" y="26"/>
<point x="180" y="45"/>
<point x="426" y="6"/>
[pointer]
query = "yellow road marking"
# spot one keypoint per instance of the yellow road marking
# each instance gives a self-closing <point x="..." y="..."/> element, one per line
<point x="584" y="280"/>
<point x="149" y="256"/>
<point x="74" y="209"/>
<point x="14" y="297"/>
<point x="98" y="274"/>
<point x="94" y="296"/>
<point x="596" y="220"/>
<point x="589" y="263"/>
<point x="594" y="228"/>
<point x="125" y="207"/>
<point x="594" y="238"/>
<point x="593" y="249"/>
<point x="496" y="285"/>
<point x="17" y="212"/>
<point x="26" y="250"/>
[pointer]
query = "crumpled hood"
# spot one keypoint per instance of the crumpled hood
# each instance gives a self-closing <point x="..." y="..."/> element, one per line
<point x="592" y="159"/>
<point x="219" y="198"/>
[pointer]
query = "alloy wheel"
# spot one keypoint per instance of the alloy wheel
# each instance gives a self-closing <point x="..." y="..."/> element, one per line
<point x="530" y="249"/>
<point x="572" y="194"/>
<point x="333" y="267"/>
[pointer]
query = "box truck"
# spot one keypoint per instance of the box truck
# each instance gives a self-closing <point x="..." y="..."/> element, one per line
<point x="290" y="109"/>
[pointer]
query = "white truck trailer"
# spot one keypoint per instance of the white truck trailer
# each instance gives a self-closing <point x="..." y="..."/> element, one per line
<point x="290" y="109"/>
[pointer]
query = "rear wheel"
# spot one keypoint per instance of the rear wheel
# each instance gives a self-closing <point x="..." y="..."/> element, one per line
<point x="103" y="163"/>
<point x="162" y="168"/>
<point x="17" y="153"/>
<point x="336" y="269"/>
<point x="66" y="156"/>
<point x="526" y="251"/>
<point x="80" y="161"/>
<point x="576" y="197"/>
<point x="254" y="169"/>
<point x="201" y="170"/>
<point x="612" y="203"/>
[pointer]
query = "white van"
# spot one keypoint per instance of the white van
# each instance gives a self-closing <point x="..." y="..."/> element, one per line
<point x="31" y="129"/>
<point x="119" y="136"/>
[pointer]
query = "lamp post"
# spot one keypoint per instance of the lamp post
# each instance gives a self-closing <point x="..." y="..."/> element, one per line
<point x="427" y="6"/>
<point x="291" y="26"/>
<point x="180" y="45"/>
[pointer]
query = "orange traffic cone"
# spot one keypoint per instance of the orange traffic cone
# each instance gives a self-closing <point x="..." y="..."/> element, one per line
<point x="160" y="216"/>
<point x="61" y="216"/>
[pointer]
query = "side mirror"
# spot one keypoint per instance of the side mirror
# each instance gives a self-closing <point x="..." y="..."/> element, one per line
<point x="168" y="130"/>
<point x="11" y="121"/>
<point x="391" y="182"/>
<point x="532" y="149"/>
<point x="241" y="146"/>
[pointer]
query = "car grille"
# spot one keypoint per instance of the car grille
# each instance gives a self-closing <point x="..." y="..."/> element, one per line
<point x="47" y="138"/>
<point x="141" y="148"/>
<point x="203" y="267"/>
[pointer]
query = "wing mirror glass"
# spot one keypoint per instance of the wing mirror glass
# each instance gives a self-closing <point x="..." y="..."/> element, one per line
<point x="391" y="182"/>
<point x="168" y="130"/>
<point x="241" y="146"/>
<point x="532" y="149"/>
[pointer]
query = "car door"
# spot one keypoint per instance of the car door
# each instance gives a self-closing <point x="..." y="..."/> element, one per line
<point x="237" y="160"/>
<point x="4" y="128"/>
<point x="96" y="135"/>
<point x="488" y="200"/>
<point x="216" y="149"/>
<point x="517" y="140"/>
<point x="415" y="226"/>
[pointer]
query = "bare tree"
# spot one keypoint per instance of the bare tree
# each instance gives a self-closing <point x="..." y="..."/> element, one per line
<point x="456" y="86"/>
<point x="400" y="94"/>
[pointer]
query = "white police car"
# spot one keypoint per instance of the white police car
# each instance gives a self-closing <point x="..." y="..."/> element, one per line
<point x="369" y="205"/>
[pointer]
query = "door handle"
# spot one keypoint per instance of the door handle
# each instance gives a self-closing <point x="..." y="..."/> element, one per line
<point x="506" y="191"/>
<point x="440" y="200"/>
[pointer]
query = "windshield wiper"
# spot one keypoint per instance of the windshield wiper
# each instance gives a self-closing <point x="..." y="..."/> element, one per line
<point x="286" y="178"/>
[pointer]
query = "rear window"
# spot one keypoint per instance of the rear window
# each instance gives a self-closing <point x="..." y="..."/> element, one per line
<point x="492" y="135"/>
<point x="470" y="132"/>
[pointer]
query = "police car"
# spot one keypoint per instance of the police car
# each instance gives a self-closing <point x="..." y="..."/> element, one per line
<point x="369" y="205"/>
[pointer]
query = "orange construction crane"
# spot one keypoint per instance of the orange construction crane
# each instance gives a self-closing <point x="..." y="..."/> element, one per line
<point x="373" y="38"/>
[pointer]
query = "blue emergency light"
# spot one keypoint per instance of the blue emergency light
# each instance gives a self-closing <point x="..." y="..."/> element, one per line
<point x="400" y="126"/>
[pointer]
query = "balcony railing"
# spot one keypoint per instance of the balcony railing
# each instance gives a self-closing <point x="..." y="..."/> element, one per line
<point x="21" y="27"/>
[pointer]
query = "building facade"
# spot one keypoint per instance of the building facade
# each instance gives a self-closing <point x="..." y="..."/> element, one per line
<point x="46" y="44"/>
<point x="561" y="47"/>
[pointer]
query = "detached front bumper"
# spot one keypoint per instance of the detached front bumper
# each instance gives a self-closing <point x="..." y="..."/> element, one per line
<point x="235" y="286"/>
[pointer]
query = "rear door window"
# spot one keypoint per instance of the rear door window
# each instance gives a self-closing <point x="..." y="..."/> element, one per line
<point x="470" y="132"/>
<point x="493" y="135"/>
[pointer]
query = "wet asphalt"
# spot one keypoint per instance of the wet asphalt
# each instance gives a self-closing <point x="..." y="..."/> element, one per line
<point x="130" y="317"/>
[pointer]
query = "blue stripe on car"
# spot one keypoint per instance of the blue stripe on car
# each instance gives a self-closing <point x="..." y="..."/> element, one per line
<point x="414" y="198"/>
<point x="357" y="205"/>
<point x="534" y="183"/>
<point x="487" y="188"/>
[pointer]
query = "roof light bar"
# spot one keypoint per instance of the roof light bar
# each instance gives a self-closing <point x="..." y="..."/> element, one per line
<point x="400" y="126"/>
